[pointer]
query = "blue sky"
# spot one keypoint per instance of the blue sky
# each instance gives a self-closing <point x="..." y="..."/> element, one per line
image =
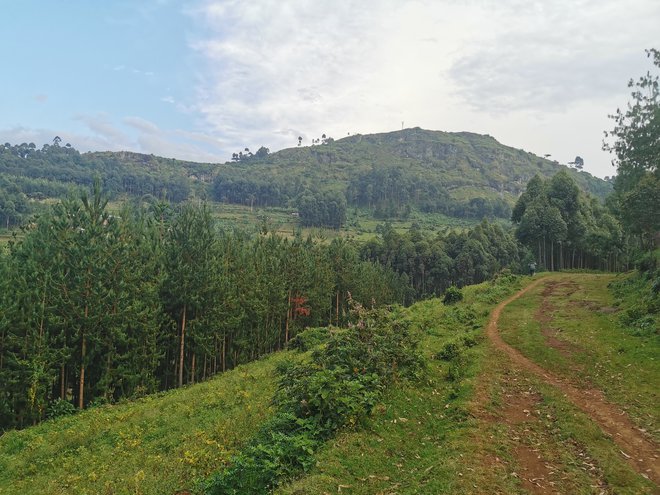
<point x="200" y="79"/>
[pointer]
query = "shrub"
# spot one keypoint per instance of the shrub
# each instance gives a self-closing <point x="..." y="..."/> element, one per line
<point x="309" y="338"/>
<point x="470" y="340"/>
<point x="337" y="389"/>
<point x="58" y="408"/>
<point x="449" y="351"/>
<point x="452" y="295"/>
<point x="455" y="371"/>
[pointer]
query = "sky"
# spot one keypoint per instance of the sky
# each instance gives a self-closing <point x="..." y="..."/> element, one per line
<point x="201" y="79"/>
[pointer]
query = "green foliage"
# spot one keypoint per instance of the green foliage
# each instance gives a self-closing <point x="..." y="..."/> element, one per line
<point x="497" y="289"/>
<point x="432" y="264"/>
<point x="310" y="338"/>
<point x="97" y="306"/>
<point x="636" y="145"/>
<point x="60" y="407"/>
<point x="452" y="295"/>
<point x="325" y="209"/>
<point x="463" y="315"/>
<point x="338" y="389"/>
<point x="639" y="301"/>
<point x="449" y="351"/>
<point x="566" y="229"/>
<point x="458" y="174"/>
<point x="456" y="369"/>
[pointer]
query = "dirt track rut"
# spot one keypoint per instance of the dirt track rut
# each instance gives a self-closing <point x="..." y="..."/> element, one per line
<point x="636" y="448"/>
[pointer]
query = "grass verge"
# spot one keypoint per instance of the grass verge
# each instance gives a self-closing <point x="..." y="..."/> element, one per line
<point x="157" y="445"/>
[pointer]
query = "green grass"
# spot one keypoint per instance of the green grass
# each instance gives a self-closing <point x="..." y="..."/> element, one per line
<point x="156" y="445"/>
<point x="4" y="238"/>
<point x="418" y="438"/>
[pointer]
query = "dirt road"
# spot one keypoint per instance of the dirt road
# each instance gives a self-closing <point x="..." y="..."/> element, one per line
<point x="636" y="448"/>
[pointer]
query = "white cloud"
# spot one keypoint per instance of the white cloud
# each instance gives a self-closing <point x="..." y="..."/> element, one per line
<point x="133" y="133"/>
<point x="142" y="125"/>
<point x="275" y="70"/>
<point x="105" y="130"/>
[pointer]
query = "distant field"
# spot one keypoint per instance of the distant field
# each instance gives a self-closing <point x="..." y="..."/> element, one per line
<point x="5" y="237"/>
<point x="360" y="224"/>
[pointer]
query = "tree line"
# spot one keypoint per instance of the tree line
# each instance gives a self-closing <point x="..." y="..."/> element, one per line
<point x="567" y="229"/>
<point x="392" y="191"/>
<point x="95" y="307"/>
<point x="50" y="171"/>
<point x="432" y="263"/>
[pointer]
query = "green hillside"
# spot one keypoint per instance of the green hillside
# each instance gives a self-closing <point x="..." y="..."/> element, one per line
<point x="423" y="436"/>
<point x="390" y="175"/>
<point x="467" y="164"/>
<point x="174" y="440"/>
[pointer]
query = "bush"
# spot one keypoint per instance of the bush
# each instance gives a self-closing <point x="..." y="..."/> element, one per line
<point x="58" y="408"/>
<point x="464" y="316"/>
<point x="497" y="289"/>
<point x="309" y="339"/>
<point x="455" y="371"/>
<point x="470" y="340"/>
<point x="452" y="295"/>
<point x="337" y="389"/>
<point x="449" y="351"/>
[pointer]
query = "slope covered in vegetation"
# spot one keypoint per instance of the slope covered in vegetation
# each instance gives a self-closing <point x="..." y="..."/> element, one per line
<point x="175" y="440"/>
<point x="423" y="434"/>
<point x="459" y="174"/>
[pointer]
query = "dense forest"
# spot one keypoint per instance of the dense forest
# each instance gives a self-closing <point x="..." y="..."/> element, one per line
<point x="29" y="174"/>
<point x="100" y="306"/>
<point x="566" y="228"/>
<point x="96" y="307"/>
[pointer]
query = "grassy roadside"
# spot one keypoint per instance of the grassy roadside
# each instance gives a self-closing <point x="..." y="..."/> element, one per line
<point x="420" y="436"/>
<point x="157" y="445"/>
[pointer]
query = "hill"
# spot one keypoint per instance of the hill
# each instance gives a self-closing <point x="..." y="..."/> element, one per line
<point x="462" y="175"/>
<point x="423" y="435"/>
<point x="459" y="174"/>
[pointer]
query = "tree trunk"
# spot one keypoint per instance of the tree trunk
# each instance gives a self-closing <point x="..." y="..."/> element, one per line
<point x="288" y="317"/>
<point x="81" y="388"/>
<point x="192" y="371"/>
<point x="337" y="309"/>
<point x="224" y="353"/>
<point x="204" y="369"/>
<point x="182" y="345"/>
<point x="552" y="256"/>
<point x="62" y="383"/>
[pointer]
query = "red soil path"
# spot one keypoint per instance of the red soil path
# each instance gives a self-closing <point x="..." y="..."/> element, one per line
<point x="636" y="448"/>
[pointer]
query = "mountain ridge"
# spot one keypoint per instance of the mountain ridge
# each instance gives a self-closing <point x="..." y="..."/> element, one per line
<point x="460" y="174"/>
